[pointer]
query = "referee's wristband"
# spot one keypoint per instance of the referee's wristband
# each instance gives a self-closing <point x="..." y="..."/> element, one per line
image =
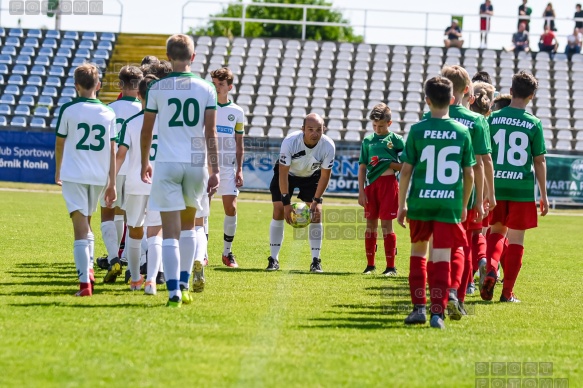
<point x="286" y="199"/>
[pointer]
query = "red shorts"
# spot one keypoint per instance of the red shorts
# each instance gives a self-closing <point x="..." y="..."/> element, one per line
<point x="383" y="198"/>
<point x="484" y="24"/>
<point x="515" y="215"/>
<point x="444" y="235"/>
<point x="469" y="224"/>
<point x="486" y="220"/>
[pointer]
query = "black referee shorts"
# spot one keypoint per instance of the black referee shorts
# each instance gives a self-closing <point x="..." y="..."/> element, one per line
<point x="306" y="185"/>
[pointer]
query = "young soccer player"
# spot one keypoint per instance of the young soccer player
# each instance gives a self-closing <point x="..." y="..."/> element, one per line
<point x="137" y="194"/>
<point x="186" y="108"/>
<point x="112" y="220"/>
<point x="230" y="130"/>
<point x="85" y="164"/>
<point x="501" y="101"/>
<point x="518" y="147"/>
<point x="378" y="189"/>
<point x="437" y="161"/>
<point x="305" y="162"/>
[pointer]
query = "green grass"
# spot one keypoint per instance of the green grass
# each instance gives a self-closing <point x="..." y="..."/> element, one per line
<point x="251" y="328"/>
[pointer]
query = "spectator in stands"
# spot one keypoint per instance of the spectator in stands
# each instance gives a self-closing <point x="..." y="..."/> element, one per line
<point x="454" y="34"/>
<point x="550" y="16"/>
<point x="578" y="15"/>
<point x="520" y="40"/>
<point x="525" y="11"/>
<point x="486" y="12"/>
<point x="574" y="43"/>
<point x="548" y="42"/>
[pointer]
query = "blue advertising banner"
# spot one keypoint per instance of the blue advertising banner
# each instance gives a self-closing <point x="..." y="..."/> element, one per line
<point x="27" y="157"/>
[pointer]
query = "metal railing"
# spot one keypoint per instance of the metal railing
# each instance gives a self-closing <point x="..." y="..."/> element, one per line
<point x="409" y="24"/>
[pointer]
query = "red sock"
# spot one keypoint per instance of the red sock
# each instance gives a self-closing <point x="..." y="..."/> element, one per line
<point x="429" y="271"/>
<point x="466" y="276"/>
<point x="513" y="263"/>
<point x="417" y="279"/>
<point x="457" y="260"/>
<point x="370" y="246"/>
<point x="504" y="251"/>
<point x="494" y="251"/>
<point x="438" y="285"/>
<point x="390" y="249"/>
<point x="478" y="249"/>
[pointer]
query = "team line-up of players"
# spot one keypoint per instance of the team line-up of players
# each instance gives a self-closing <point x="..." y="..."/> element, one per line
<point x="466" y="180"/>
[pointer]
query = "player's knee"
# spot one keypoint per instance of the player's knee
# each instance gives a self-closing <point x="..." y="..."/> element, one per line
<point x="136" y="233"/>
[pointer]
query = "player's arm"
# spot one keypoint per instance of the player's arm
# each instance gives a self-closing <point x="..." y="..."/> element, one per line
<point x="362" y="200"/>
<point x="59" y="147"/>
<point x="489" y="191"/>
<point x="404" y="181"/>
<point x="210" y="134"/>
<point x="110" y="192"/>
<point x="478" y="181"/>
<point x="284" y="189"/>
<point x="239" y="153"/>
<point x="396" y="166"/>
<point x="468" y="186"/>
<point x="122" y="148"/>
<point x="146" y="144"/>
<point x="540" y="171"/>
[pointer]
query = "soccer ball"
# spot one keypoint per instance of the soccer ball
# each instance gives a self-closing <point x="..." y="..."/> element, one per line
<point x="300" y="215"/>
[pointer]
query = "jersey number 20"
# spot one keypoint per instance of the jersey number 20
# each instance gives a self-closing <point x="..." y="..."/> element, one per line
<point x="190" y="116"/>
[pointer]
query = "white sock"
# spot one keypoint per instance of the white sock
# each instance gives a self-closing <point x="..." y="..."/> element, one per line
<point x="91" y="239"/>
<point x="154" y="257"/>
<point x="81" y="255"/>
<point x="276" y="237"/>
<point x="118" y="220"/>
<point x="229" y="228"/>
<point x="187" y="249"/>
<point x="206" y="232"/>
<point x="315" y="236"/>
<point x="144" y="243"/>
<point x="124" y="252"/>
<point x="161" y="268"/>
<point x="171" y="259"/>
<point x="201" y="243"/>
<point x="109" y="234"/>
<point x="134" y="253"/>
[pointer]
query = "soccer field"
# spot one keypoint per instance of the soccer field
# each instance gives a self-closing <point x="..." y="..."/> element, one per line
<point x="290" y="328"/>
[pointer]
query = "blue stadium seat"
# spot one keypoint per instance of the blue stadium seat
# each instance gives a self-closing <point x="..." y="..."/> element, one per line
<point x="45" y="101"/>
<point x="83" y="53"/>
<point x="101" y="63"/>
<point x="3" y="69"/>
<point x="62" y="101"/>
<point x="53" y="81"/>
<point x="50" y="91"/>
<point x="69" y="92"/>
<point x="30" y="90"/>
<point x="42" y="60"/>
<point x="2" y="32"/>
<point x="31" y="42"/>
<point x="12" y="41"/>
<point x="57" y="71"/>
<point x="6" y="59"/>
<point x="53" y="34"/>
<point x="86" y="44"/>
<point x="1" y="79"/>
<point x="89" y="36"/>
<point x="71" y="35"/>
<point x="16" y="79"/>
<point x="17" y="32"/>
<point x="3" y="121"/>
<point x="109" y="36"/>
<point x="23" y="60"/>
<point x="8" y="99"/>
<point x="60" y="61"/>
<point x="46" y="51"/>
<point x="64" y="52"/>
<point x="22" y="110"/>
<point x="38" y="70"/>
<point x="38" y="122"/>
<point x="101" y="54"/>
<point x="19" y="121"/>
<point x="26" y="100"/>
<point x="70" y="82"/>
<point x="77" y="61"/>
<point x="54" y="122"/>
<point x="57" y="111"/>
<point x="68" y="44"/>
<point x="34" y="80"/>
<point x="71" y="72"/>
<point x="51" y="43"/>
<point x="105" y="45"/>
<point x="42" y="111"/>
<point x="30" y="51"/>
<point x="35" y="33"/>
<point x="5" y="109"/>
<point x="9" y="50"/>
<point x="20" y="69"/>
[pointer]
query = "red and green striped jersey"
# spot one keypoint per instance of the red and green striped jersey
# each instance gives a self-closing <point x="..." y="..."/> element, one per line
<point x="438" y="150"/>
<point x="377" y="153"/>
<point x="517" y="137"/>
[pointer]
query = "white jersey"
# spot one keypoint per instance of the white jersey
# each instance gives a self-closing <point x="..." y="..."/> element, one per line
<point x="124" y="108"/>
<point x="304" y="161"/>
<point x="131" y="133"/>
<point x="181" y="100"/>
<point x="230" y="121"/>
<point x="89" y="127"/>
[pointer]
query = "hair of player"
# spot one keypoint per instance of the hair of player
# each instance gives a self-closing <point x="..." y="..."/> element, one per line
<point x="524" y="84"/>
<point x="380" y="112"/>
<point x="483" y="93"/>
<point x="223" y="74"/>
<point x="144" y="83"/>
<point x="439" y="90"/>
<point x="482" y="76"/>
<point x="502" y="101"/>
<point x="458" y="76"/>
<point x="149" y="60"/>
<point x="180" y="47"/>
<point x="87" y="76"/>
<point x="160" y="69"/>
<point x="130" y="77"/>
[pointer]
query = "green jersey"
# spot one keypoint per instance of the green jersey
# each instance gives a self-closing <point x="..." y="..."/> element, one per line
<point x="517" y="137"/>
<point x="377" y="153"/>
<point x="438" y="150"/>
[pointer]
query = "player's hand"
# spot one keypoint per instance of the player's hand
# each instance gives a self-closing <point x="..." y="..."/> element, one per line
<point x="146" y="173"/>
<point x="110" y="196"/>
<point x="213" y="184"/>
<point x="287" y="211"/>
<point x="315" y="211"/>
<point x="401" y="216"/>
<point x="491" y="199"/>
<point x="362" y="199"/>
<point x="464" y="214"/>
<point x="58" y="179"/>
<point x="239" y="179"/>
<point x="479" y="209"/>
<point x="544" y="206"/>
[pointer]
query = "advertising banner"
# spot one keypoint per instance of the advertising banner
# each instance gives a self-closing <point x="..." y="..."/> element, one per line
<point x="27" y="157"/>
<point x="565" y="178"/>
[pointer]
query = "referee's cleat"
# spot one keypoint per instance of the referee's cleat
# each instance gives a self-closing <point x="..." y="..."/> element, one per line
<point x="174" y="302"/>
<point x="369" y="269"/>
<point x="487" y="290"/>
<point x="113" y="271"/>
<point x="229" y="260"/>
<point x="186" y="297"/>
<point x="273" y="264"/>
<point x="198" y="277"/>
<point x="390" y="271"/>
<point x="102" y="262"/>
<point x="512" y="299"/>
<point x="316" y="265"/>
<point x="436" y="321"/>
<point x="417" y="316"/>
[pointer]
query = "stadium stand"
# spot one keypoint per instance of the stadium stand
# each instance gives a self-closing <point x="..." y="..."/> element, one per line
<point x="278" y="81"/>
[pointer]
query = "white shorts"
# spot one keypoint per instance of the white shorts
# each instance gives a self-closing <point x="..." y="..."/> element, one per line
<point x="176" y="186"/>
<point x="206" y="207"/>
<point x="153" y="218"/>
<point x="137" y="213"/>
<point x="227" y="184"/>
<point x="82" y="197"/>
<point x="120" y="187"/>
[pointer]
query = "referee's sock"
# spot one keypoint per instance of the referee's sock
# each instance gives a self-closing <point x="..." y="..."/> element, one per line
<point x="276" y="237"/>
<point x="315" y="236"/>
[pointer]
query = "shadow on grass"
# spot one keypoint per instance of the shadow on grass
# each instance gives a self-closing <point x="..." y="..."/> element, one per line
<point x="87" y="306"/>
<point x="40" y="265"/>
<point x="307" y="272"/>
<point x="43" y="274"/>
<point x="287" y="272"/>
<point x="45" y="283"/>
<point x="225" y="269"/>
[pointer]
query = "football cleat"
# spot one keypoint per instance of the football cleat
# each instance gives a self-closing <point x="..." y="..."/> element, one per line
<point x="186" y="297"/>
<point x="273" y="264"/>
<point x="454" y="310"/>
<point x="316" y="265"/>
<point x="471" y="289"/>
<point x="417" y="316"/>
<point x="482" y="272"/>
<point x="390" y="271"/>
<point x="205" y="262"/>
<point x="437" y="321"/>
<point x="512" y="299"/>
<point x="487" y="291"/>
<point x="369" y="269"/>
<point x="102" y="262"/>
<point x="92" y="279"/>
<point x="198" y="277"/>
<point x="150" y="288"/>
<point x="113" y="271"/>
<point x="84" y="290"/>
<point x="230" y="261"/>
<point x="137" y="286"/>
<point x="462" y="308"/>
<point x="127" y="276"/>
<point x="160" y="278"/>
<point x="175" y="302"/>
